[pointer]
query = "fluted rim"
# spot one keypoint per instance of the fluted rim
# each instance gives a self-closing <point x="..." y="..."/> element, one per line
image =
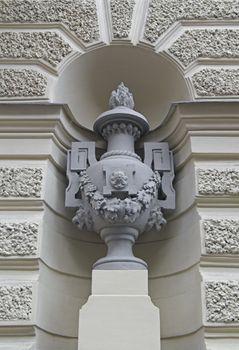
<point x="121" y="115"/>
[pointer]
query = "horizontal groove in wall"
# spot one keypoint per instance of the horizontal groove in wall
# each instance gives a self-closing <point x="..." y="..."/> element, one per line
<point x="164" y="338"/>
<point x="65" y="273"/>
<point x="21" y="204"/>
<point x="54" y="334"/>
<point x="219" y="261"/>
<point x="218" y="201"/>
<point x="151" y="277"/>
<point x="205" y="157"/>
<point x="222" y="331"/>
<point x="173" y="274"/>
<point x="183" y="335"/>
<point x="17" y="331"/>
<point x="69" y="221"/>
<point x="19" y="263"/>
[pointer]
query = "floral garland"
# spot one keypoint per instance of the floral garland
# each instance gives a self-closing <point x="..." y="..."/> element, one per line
<point x="116" y="210"/>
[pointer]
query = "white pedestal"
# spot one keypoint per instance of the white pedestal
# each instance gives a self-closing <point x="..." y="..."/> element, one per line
<point x="119" y="314"/>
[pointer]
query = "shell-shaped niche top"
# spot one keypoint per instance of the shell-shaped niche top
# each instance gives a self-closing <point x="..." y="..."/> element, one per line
<point x="121" y="98"/>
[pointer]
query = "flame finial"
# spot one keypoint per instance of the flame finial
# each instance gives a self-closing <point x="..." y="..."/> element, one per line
<point x="121" y="97"/>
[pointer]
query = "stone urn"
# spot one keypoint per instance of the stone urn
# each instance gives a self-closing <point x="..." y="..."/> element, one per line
<point x="119" y="196"/>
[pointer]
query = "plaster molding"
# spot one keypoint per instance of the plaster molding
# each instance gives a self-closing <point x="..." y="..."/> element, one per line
<point x="222" y="301"/>
<point x="218" y="181"/>
<point x="22" y="83"/>
<point x="221" y="236"/>
<point x="206" y="43"/>
<point x="121" y="14"/>
<point x="20" y="182"/>
<point x="216" y="82"/>
<point x="47" y="46"/>
<point x="16" y="302"/>
<point x="55" y="118"/>
<point x="184" y="117"/>
<point x="164" y="13"/>
<point x="18" y="239"/>
<point x="79" y="16"/>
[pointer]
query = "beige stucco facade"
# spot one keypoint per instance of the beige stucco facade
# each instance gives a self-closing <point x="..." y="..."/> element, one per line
<point x="59" y="62"/>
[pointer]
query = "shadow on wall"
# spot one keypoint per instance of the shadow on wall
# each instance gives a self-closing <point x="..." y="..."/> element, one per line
<point x="86" y="83"/>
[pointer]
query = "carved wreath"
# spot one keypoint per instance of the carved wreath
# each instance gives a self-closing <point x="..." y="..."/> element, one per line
<point x="116" y="210"/>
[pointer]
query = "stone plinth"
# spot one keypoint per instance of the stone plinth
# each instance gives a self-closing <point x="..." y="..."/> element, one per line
<point x="119" y="314"/>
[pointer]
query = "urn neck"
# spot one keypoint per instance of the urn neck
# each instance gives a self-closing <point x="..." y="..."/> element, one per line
<point x="121" y="127"/>
<point x="120" y="142"/>
<point x="121" y="136"/>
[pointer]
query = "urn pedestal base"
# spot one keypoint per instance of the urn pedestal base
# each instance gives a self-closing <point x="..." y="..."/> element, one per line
<point x="119" y="241"/>
<point x="119" y="314"/>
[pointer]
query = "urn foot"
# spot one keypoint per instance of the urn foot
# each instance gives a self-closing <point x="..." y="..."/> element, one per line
<point x="119" y="240"/>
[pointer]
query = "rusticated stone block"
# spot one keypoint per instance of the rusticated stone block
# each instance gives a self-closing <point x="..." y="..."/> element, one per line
<point x="79" y="16"/>
<point x="18" y="239"/>
<point x="221" y="236"/>
<point x="222" y="301"/>
<point x="216" y="82"/>
<point x="121" y="13"/>
<point x="15" y="302"/>
<point x="218" y="181"/>
<point x="22" y="83"/>
<point x="47" y="46"/>
<point x="163" y="13"/>
<point x="206" y="43"/>
<point x="20" y="182"/>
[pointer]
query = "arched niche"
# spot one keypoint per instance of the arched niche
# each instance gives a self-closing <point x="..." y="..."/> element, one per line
<point x="86" y="83"/>
<point x="156" y="82"/>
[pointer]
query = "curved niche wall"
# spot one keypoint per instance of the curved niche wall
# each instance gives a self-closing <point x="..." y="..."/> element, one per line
<point x="86" y="83"/>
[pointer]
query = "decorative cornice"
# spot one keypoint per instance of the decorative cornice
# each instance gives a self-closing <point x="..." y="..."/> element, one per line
<point x="20" y="182"/>
<point x="221" y="236"/>
<point x="15" y="302"/>
<point x="121" y="13"/>
<point x="162" y="14"/>
<point x="206" y="43"/>
<point x="79" y="16"/>
<point x="222" y="301"/>
<point x="218" y="181"/>
<point x="18" y="239"/>
<point x="121" y="128"/>
<point x="47" y="46"/>
<point x="22" y="83"/>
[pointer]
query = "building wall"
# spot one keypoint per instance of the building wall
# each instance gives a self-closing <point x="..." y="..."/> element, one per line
<point x="59" y="62"/>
